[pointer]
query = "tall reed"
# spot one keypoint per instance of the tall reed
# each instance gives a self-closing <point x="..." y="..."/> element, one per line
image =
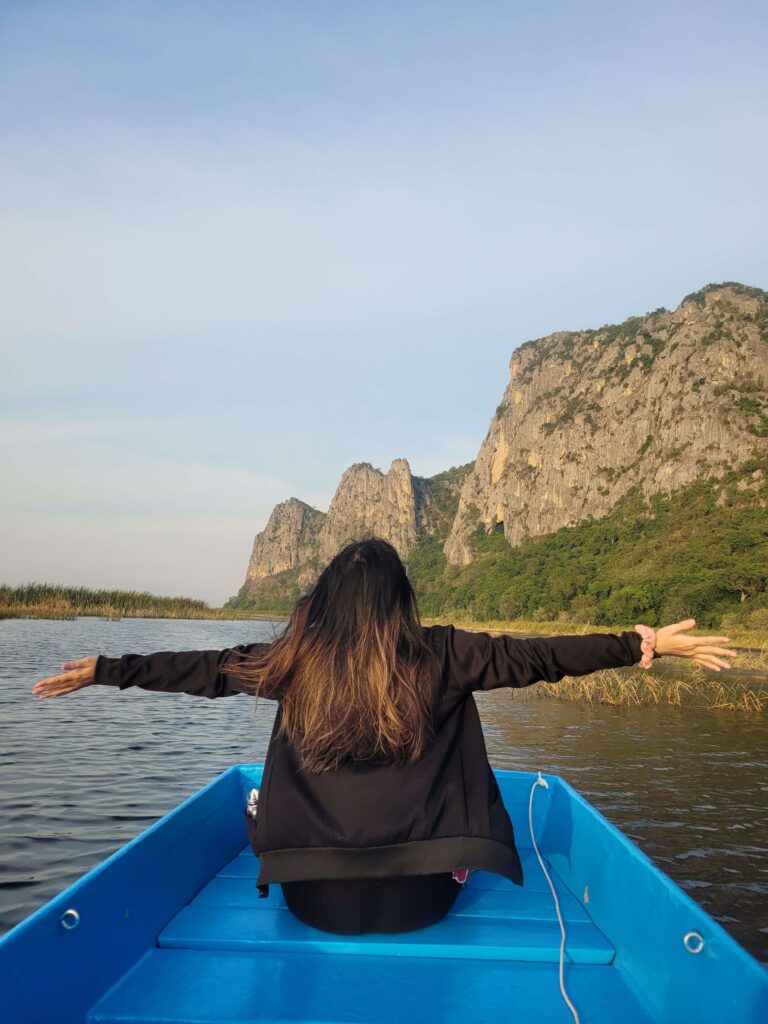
<point x="53" y="601"/>
<point x="639" y="688"/>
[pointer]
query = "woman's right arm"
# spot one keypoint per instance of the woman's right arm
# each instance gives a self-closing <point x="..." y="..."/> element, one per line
<point x="200" y="673"/>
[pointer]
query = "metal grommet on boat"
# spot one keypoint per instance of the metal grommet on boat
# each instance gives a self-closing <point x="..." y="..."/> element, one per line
<point x="69" y="919"/>
<point x="252" y="806"/>
<point x="693" y="942"/>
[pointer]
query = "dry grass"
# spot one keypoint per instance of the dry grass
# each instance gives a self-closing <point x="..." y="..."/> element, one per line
<point x="640" y="688"/>
<point x="56" y="601"/>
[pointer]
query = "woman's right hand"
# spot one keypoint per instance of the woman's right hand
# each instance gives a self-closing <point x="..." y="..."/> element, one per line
<point x="82" y="673"/>
<point x="701" y="649"/>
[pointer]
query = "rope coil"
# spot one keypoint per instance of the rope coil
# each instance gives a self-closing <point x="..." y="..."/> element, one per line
<point x="541" y="781"/>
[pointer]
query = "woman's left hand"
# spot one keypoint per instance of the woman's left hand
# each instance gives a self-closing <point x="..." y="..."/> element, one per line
<point x="82" y="673"/>
<point x="704" y="650"/>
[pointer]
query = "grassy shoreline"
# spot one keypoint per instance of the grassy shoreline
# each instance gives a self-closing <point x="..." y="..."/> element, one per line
<point x="626" y="686"/>
<point x="749" y="640"/>
<point x="99" y="612"/>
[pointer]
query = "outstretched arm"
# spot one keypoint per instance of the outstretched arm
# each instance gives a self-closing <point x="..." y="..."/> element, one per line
<point x="484" y="662"/>
<point x="200" y="673"/>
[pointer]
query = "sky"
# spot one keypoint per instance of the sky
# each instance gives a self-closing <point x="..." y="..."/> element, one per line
<point x="244" y="245"/>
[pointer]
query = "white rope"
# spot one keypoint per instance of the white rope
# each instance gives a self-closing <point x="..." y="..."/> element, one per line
<point x="541" y="781"/>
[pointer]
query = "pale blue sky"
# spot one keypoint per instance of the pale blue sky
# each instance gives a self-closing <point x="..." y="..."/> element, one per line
<point x="244" y="244"/>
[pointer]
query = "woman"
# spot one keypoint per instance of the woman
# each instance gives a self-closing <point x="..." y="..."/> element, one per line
<point x="377" y="796"/>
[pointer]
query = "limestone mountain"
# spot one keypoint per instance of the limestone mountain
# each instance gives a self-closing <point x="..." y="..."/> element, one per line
<point x="658" y="400"/>
<point x="591" y="422"/>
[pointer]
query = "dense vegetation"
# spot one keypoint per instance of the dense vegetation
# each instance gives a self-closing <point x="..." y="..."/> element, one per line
<point x="274" y="595"/>
<point x="701" y="552"/>
<point x="441" y="500"/>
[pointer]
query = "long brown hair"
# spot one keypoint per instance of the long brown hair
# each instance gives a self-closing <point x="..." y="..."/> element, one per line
<point x="351" y="670"/>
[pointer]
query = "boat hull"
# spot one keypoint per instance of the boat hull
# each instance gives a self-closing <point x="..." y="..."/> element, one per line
<point x="170" y="928"/>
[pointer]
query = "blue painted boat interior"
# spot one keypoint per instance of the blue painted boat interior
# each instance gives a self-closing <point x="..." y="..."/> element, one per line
<point x="171" y="929"/>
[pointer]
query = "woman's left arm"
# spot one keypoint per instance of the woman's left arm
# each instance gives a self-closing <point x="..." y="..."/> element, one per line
<point x="200" y="673"/>
<point x="484" y="662"/>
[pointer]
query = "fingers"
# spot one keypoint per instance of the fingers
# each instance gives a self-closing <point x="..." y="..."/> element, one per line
<point x="710" y="655"/>
<point x="718" y="650"/>
<point x="48" y="691"/>
<point x="706" y="663"/>
<point x="53" y="679"/>
<point x="51" y="691"/>
<point x="54" y="686"/>
<point x="58" y="691"/>
<point x="678" y="627"/>
<point x="709" y="662"/>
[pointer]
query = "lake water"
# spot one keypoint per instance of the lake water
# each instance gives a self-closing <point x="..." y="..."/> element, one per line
<point x="81" y="775"/>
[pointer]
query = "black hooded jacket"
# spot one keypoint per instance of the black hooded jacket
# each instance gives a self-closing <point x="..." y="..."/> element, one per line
<point x="440" y="813"/>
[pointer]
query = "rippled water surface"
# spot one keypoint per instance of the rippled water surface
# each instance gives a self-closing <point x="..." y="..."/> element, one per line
<point x="83" y="774"/>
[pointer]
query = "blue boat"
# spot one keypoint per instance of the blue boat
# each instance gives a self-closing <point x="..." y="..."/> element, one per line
<point x="171" y="928"/>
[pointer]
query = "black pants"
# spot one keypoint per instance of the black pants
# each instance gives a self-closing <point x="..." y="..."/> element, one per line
<point x="353" y="906"/>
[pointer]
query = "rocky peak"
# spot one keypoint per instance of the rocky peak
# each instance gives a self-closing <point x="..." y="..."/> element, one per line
<point x="299" y="539"/>
<point x="369" y="502"/>
<point x="657" y="400"/>
<point x="288" y="540"/>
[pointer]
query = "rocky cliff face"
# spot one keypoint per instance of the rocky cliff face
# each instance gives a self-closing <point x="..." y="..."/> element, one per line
<point x="661" y="399"/>
<point x="288" y="541"/>
<point x="299" y="540"/>
<point x="368" y="502"/>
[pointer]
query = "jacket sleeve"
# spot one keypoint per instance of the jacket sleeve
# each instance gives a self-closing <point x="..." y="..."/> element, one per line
<point x="200" y="673"/>
<point x="479" y="661"/>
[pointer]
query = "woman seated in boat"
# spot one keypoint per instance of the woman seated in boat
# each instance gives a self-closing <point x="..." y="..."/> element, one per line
<point x="377" y="797"/>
